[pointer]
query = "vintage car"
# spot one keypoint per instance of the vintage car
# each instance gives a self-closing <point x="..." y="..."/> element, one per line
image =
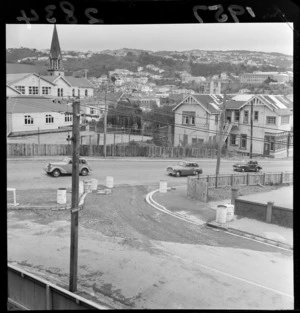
<point x="65" y="167"/>
<point x="184" y="168"/>
<point x="250" y="166"/>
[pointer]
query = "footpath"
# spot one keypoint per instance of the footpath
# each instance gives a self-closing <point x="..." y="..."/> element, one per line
<point x="175" y="202"/>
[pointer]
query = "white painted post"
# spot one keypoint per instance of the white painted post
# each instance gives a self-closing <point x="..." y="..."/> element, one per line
<point x="14" y="193"/>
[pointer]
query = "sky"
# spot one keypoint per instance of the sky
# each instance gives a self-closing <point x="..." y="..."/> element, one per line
<point x="266" y="37"/>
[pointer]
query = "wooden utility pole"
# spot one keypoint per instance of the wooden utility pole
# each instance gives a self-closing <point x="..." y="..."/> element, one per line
<point x="75" y="197"/>
<point x="220" y="135"/>
<point x="288" y="144"/>
<point x="105" y="124"/>
<point x="251" y="129"/>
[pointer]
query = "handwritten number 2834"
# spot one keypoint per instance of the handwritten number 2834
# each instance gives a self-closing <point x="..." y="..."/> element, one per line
<point x="67" y="8"/>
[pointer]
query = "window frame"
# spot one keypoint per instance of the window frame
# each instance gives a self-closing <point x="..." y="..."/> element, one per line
<point x="268" y="120"/>
<point x="283" y="117"/>
<point x="237" y="114"/>
<point x="242" y="141"/>
<point x="21" y="89"/>
<point x="33" y="90"/>
<point x="49" y="119"/>
<point x="235" y="139"/>
<point x="254" y="117"/>
<point x="28" y="120"/>
<point x="246" y="121"/>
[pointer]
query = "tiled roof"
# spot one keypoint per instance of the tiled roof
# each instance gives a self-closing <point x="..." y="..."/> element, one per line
<point x="29" y="104"/>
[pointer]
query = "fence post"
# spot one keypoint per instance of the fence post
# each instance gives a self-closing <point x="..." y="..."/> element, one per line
<point x="282" y="173"/>
<point x="247" y="179"/>
<point x="231" y="183"/>
<point x="234" y="195"/>
<point x="269" y="211"/>
<point x="264" y="178"/>
<point x="217" y="181"/>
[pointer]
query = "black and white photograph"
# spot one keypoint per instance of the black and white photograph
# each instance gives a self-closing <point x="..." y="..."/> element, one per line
<point x="150" y="166"/>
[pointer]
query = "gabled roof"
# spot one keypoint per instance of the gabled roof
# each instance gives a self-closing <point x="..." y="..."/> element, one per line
<point x="55" y="52"/>
<point x="273" y="102"/>
<point x="53" y="78"/>
<point x="34" y="104"/>
<point x="79" y="82"/>
<point x="234" y="105"/>
<point x="14" y="78"/>
<point x="13" y="89"/>
<point x="210" y="103"/>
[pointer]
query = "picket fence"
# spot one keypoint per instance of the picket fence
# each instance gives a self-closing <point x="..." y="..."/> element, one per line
<point x="23" y="149"/>
<point x="243" y="179"/>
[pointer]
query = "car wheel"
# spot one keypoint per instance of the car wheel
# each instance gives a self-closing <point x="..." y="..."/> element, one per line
<point x="242" y="170"/>
<point x="84" y="172"/>
<point x="178" y="174"/>
<point x="56" y="173"/>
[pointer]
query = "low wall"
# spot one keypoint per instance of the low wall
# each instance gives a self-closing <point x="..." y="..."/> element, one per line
<point x="258" y="211"/>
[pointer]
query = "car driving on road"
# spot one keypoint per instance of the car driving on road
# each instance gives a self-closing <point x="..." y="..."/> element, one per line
<point x="65" y="167"/>
<point x="184" y="168"/>
<point x="250" y="166"/>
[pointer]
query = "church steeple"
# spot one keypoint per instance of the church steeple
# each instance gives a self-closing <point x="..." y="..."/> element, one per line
<point x="55" y="57"/>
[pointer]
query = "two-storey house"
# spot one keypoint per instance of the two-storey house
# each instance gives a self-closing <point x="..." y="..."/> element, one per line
<point x="197" y="119"/>
<point x="272" y="122"/>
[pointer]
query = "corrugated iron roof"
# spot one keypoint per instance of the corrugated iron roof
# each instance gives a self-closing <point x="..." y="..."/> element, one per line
<point x="29" y="104"/>
<point x="79" y="82"/>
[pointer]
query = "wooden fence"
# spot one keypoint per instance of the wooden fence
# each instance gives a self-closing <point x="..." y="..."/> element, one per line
<point x="23" y="149"/>
<point x="246" y="179"/>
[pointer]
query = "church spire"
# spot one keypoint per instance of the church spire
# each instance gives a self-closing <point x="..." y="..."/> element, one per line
<point x="55" y="57"/>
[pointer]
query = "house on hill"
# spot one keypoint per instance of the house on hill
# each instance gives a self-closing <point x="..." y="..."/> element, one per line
<point x="197" y="119"/>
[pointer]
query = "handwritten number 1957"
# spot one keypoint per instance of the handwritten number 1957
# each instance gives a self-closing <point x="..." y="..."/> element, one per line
<point x="233" y="9"/>
<point x="67" y="8"/>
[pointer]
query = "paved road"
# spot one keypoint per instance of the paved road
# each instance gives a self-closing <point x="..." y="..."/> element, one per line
<point x="29" y="174"/>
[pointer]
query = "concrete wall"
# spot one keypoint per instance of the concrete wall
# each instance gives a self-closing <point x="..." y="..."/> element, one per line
<point x="258" y="211"/>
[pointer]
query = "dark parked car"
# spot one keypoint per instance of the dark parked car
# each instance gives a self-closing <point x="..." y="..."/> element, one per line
<point x="250" y="166"/>
<point x="65" y="167"/>
<point x="184" y="168"/>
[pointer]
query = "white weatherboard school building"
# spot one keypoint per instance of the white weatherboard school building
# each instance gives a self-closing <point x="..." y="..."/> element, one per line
<point x="31" y="114"/>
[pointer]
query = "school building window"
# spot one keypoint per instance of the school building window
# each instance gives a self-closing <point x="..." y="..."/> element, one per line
<point x="73" y="92"/>
<point x="68" y="117"/>
<point x="49" y="119"/>
<point x="21" y="89"/>
<point x="255" y="115"/>
<point x="60" y="92"/>
<point x="92" y="111"/>
<point x="33" y="90"/>
<point x="243" y="142"/>
<point x="46" y="90"/>
<point x="271" y="120"/>
<point x="28" y="120"/>
<point x="86" y="93"/>
<point x="216" y="119"/>
<point x="285" y="119"/>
